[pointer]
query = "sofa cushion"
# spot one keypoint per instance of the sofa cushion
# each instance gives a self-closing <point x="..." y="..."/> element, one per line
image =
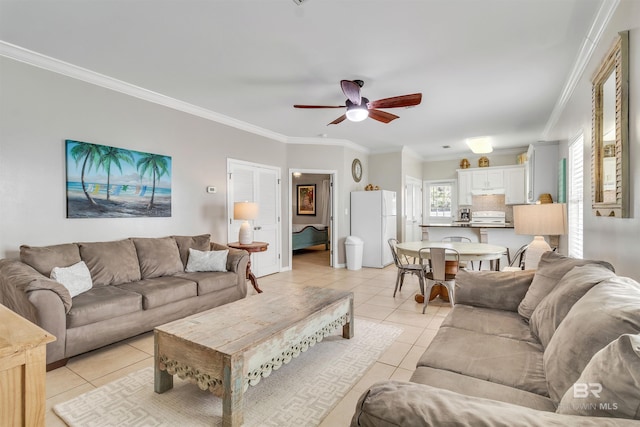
<point x="405" y="404"/>
<point x="162" y="290"/>
<point x="492" y="289"/>
<point x="472" y="386"/>
<point x="492" y="358"/>
<point x="201" y="243"/>
<point x="614" y="373"/>
<point x="105" y="302"/>
<point x="111" y="263"/>
<point x="76" y="278"/>
<point x="554" y="307"/>
<point x="206" y="260"/>
<point x="211" y="281"/>
<point x="45" y="258"/>
<point x="608" y="310"/>
<point x="550" y="270"/>
<point x="508" y="324"/>
<point x="158" y="257"/>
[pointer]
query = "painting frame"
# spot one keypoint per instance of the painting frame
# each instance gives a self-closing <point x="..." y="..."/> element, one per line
<point x="110" y="182"/>
<point x="306" y="199"/>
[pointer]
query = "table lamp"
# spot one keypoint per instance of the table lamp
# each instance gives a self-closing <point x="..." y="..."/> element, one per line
<point x="546" y="219"/>
<point x="245" y="211"/>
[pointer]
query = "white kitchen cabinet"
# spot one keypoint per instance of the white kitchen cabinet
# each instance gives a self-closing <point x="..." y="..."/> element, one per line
<point x="486" y="179"/>
<point x="541" y="174"/>
<point x="464" y="188"/>
<point x="514" y="185"/>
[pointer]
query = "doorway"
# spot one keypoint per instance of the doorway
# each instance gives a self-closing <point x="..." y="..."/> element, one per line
<point x="313" y="224"/>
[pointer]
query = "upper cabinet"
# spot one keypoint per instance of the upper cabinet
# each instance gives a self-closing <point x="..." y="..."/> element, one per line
<point x="487" y="179"/>
<point x="507" y="180"/>
<point x="541" y="171"/>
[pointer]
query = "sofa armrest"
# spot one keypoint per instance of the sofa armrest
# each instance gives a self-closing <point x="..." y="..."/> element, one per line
<point x="51" y="317"/>
<point x="397" y="403"/>
<point x="236" y="260"/>
<point x="492" y="289"/>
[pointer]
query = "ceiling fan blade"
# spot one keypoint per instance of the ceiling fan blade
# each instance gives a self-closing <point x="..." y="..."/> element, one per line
<point x="338" y="120"/>
<point x="351" y="90"/>
<point x="382" y="116"/>
<point x="318" y="106"/>
<point x="397" y="101"/>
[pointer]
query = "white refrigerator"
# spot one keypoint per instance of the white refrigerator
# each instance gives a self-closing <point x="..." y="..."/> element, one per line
<point x="373" y="219"/>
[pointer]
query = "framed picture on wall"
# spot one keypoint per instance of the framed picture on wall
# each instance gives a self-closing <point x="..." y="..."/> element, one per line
<point x="306" y="200"/>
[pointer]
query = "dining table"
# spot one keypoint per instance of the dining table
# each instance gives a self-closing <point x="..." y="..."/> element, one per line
<point x="468" y="251"/>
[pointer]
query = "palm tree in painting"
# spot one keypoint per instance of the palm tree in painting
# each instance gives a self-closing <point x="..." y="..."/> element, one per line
<point x="156" y="166"/>
<point x="89" y="154"/>
<point x="113" y="155"/>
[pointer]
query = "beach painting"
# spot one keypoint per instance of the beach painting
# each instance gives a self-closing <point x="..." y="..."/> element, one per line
<point x="110" y="182"/>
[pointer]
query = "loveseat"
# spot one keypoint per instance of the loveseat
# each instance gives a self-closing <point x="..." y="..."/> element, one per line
<point x="135" y="285"/>
<point x="559" y="346"/>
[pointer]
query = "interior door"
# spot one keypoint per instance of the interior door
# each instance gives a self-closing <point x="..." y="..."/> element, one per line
<point x="261" y="184"/>
<point x="413" y="209"/>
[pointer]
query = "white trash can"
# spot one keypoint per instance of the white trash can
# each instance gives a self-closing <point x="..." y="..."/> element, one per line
<point x="353" y="246"/>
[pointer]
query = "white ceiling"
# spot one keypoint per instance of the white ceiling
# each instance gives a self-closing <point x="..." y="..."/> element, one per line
<point x="485" y="67"/>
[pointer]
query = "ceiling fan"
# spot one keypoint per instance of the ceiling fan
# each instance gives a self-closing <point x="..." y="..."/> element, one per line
<point x="359" y="107"/>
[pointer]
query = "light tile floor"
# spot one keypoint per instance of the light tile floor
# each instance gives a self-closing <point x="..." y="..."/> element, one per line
<point x="373" y="291"/>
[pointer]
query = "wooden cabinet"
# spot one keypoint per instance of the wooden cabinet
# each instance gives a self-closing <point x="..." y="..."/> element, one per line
<point x="22" y="370"/>
<point x="464" y="188"/>
<point x="514" y="186"/>
<point x="487" y="179"/>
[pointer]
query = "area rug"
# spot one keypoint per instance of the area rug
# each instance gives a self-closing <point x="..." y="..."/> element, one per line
<point x="300" y="393"/>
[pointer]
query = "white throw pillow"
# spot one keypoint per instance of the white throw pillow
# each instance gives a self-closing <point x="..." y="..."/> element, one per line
<point x="76" y="278"/>
<point x="207" y="260"/>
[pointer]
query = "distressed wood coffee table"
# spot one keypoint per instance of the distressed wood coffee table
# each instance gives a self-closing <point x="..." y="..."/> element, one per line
<point x="230" y="347"/>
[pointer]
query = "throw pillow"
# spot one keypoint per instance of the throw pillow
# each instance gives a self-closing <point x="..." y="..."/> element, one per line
<point x="75" y="278"/>
<point x="605" y="312"/>
<point x="201" y="243"/>
<point x="492" y="289"/>
<point x="111" y="263"/>
<point x="158" y="257"/>
<point x="207" y="260"/>
<point x="609" y="386"/>
<point x="550" y="270"/>
<point x="554" y="307"/>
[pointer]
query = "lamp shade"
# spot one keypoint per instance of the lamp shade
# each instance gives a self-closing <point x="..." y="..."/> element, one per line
<point x="547" y="219"/>
<point x="245" y="210"/>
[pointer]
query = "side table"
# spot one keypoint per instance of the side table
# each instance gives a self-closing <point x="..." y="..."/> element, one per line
<point x="251" y="247"/>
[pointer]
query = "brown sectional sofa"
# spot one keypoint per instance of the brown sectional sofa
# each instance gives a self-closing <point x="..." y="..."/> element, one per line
<point x="558" y="346"/>
<point x="138" y="283"/>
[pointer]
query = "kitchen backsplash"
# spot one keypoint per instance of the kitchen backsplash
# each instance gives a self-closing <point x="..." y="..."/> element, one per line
<point x="492" y="203"/>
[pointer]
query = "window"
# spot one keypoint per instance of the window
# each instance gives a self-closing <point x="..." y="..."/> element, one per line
<point x="440" y="201"/>
<point x="575" y="205"/>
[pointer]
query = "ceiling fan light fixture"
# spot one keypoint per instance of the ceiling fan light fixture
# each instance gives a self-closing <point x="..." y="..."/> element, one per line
<point x="480" y="145"/>
<point x="357" y="113"/>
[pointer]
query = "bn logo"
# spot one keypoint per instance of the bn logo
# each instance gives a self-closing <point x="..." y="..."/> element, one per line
<point x="583" y="390"/>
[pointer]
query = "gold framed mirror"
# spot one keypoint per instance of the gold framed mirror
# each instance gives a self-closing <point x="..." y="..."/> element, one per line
<point x="610" y="132"/>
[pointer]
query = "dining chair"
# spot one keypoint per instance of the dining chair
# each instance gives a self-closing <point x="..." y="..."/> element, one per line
<point x="517" y="261"/>
<point x="405" y="267"/>
<point x="461" y="239"/>
<point x="440" y="274"/>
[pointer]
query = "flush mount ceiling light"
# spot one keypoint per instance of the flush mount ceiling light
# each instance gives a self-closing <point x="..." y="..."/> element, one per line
<point x="357" y="113"/>
<point x="480" y="145"/>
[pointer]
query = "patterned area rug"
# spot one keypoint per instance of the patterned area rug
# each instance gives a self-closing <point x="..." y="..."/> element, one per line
<point x="300" y="393"/>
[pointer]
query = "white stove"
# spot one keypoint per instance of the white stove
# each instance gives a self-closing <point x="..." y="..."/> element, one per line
<point x="488" y="218"/>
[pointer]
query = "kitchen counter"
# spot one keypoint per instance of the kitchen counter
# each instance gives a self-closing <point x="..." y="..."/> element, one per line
<point x="469" y="225"/>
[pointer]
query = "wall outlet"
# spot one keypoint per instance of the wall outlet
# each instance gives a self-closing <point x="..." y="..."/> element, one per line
<point x="212" y="190"/>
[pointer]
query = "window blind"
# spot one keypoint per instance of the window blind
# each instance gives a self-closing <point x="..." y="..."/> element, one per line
<point x="575" y="205"/>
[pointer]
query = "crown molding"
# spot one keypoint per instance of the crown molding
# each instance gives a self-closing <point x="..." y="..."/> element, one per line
<point x="590" y="43"/>
<point x="48" y="63"/>
<point x="327" y="141"/>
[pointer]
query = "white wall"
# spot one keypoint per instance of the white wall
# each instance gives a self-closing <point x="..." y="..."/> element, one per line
<point x="40" y="109"/>
<point x="308" y="179"/>
<point x="610" y="239"/>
